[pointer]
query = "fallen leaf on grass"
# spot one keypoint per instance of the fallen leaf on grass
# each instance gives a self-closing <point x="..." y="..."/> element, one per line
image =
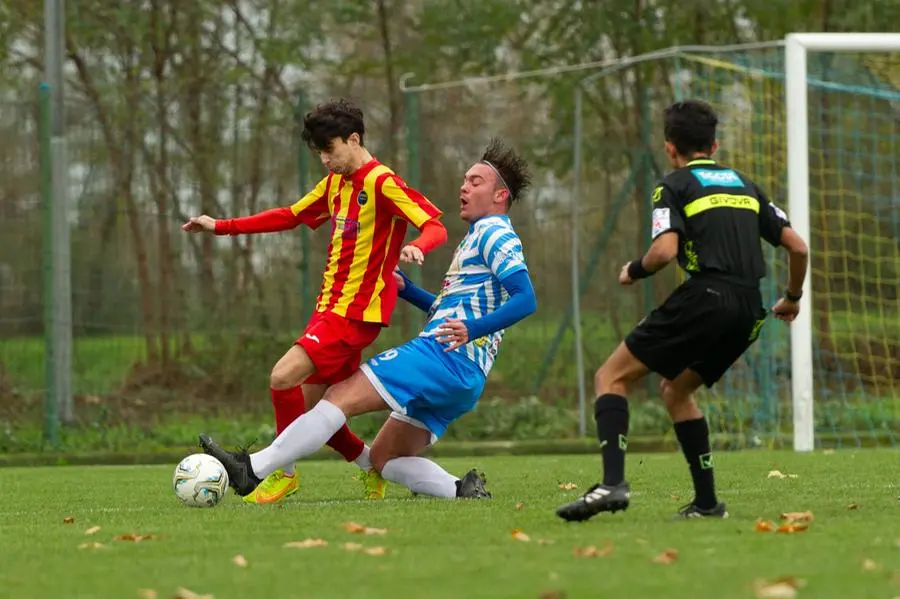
<point x="853" y="506"/>
<point x="519" y="535"/>
<point x="130" y="536"/>
<point x="780" y="588"/>
<point x="351" y="546"/>
<point x="520" y="505"/>
<point x="797" y="516"/>
<point x="828" y="451"/>
<point x="183" y="593"/>
<point x="306" y="543"/>
<point x="68" y="520"/>
<point x="375" y="551"/>
<point x="776" y="474"/>
<point x="147" y="593"/>
<point x="92" y="530"/>
<point x="666" y="557"/>
<point x="676" y="497"/>
<point x="545" y="542"/>
<point x="93" y="545"/>
<point x="764" y="526"/>
<point x="567" y="486"/>
<point x="353" y="527"/>
<point x="792" y="527"/>
<point x="869" y="565"/>
<point x="239" y="560"/>
<point x="793" y="475"/>
<point x="591" y="551"/>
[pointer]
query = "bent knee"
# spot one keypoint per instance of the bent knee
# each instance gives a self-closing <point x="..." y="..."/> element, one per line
<point x="608" y="380"/>
<point x="281" y="378"/>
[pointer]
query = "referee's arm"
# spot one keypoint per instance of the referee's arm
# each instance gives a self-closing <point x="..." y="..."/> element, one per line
<point x="663" y="250"/>
<point x="667" y="224"/>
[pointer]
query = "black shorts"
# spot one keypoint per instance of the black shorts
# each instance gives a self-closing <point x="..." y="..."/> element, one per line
<point x="705" y="325"/>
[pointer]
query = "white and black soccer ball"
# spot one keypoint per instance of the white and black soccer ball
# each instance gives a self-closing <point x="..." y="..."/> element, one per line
<point x="200" y="480"/>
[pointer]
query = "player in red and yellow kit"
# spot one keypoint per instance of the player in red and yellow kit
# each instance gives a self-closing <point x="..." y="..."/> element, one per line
<point x="368" y="207"/>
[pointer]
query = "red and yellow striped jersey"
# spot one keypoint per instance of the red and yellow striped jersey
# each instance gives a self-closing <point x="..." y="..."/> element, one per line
<point x="369" y="212"/>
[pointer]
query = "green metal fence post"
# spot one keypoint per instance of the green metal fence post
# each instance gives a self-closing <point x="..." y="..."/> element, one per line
<point x="51" y="411"/>
<point x="413" y="166"/>
<point x="303" y="184"/>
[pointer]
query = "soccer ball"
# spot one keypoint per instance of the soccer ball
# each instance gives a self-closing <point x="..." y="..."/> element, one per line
<point x="200" y="480"/>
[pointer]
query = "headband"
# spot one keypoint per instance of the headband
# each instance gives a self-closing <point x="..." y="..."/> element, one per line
<point x="499" y="176"/>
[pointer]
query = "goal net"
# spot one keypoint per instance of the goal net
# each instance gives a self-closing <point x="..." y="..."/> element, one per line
<point x="841" y="362"/>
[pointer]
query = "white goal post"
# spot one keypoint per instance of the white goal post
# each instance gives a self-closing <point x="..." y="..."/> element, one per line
<point x="797" y="45"/>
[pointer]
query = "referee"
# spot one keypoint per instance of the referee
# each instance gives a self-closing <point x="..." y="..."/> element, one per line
<point x="711" y="218"/>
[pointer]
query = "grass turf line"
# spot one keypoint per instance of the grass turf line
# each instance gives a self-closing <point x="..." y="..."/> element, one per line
<point x="449" y="549"/>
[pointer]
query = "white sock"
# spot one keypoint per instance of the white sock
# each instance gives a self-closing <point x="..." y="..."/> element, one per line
<point x="289" y="470"/>
<point x="363" y="460"/>
<point x="301" y="438"/>
<point x="420" y="475"/>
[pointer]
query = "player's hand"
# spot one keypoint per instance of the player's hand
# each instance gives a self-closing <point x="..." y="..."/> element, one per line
<point x="624" y="278"/>
<point x="412" y="254"/>
<point x="786" y="310"/>
<point x="401" y="282"/>
<point x="200" y="223"/>
<point x="454" y="332"/>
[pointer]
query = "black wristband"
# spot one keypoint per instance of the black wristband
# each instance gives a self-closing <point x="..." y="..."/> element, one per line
<point x="792" y="298"/>
<point x="637" y="271"/>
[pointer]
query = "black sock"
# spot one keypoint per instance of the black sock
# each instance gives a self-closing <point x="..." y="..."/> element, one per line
<point x="693" y="435"/>
<point x="611" y="415"/>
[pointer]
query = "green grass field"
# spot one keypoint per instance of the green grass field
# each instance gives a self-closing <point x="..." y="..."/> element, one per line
<point x="437" y="549"/>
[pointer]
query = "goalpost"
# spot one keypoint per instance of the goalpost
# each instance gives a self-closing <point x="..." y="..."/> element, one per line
<point x="797" y="46"/>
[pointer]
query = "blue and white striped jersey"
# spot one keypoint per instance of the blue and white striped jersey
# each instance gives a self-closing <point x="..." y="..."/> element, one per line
<point x="490" y="252"/>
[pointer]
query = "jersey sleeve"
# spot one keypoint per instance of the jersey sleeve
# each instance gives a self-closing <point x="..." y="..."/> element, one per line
<point x="772" y="220"/>
<point x="313" y="209"/>
<point x="407" y="203"/>
<point x="666" y="214"/>
<point x="501" y="250"/>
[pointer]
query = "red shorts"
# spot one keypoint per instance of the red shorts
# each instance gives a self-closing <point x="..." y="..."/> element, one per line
<point x="335" y="345"/>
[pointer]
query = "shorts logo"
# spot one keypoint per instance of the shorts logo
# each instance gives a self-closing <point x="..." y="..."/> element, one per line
<point x="717" y="178"/>
<point x="657" y="194"/>
<point x="662" y="221"/>
<point x="362" y="198"/>
<point x="312" y="337"/>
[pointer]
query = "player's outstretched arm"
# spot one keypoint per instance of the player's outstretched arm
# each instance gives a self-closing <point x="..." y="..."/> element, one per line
<point x="788" y="307"/>
<point x="311" y="210"/>
<point x="410" y="205"/>
<point x="412" y="293"/>
<point x="522" y="303"/>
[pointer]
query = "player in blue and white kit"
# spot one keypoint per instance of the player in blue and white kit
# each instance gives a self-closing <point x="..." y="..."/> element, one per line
<point x="437" y="377"/>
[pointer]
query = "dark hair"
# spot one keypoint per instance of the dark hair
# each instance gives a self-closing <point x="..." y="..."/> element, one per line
<point x="338" y="118"/>
<point x="691" y="126"/>
<point x="512" y="168"/>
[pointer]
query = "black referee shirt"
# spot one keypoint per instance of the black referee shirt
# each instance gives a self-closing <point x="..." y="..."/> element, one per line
<point x="719" y="215"/>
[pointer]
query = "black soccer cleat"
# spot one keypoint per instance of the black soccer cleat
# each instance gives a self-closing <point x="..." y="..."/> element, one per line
<point x="692" y="511"/>
<point x="237" y="464"/>
<point x="471" y="486"/>
<point x="599" y="498"/>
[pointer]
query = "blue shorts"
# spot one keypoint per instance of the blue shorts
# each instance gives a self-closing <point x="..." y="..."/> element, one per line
<point x="425" y="385"/>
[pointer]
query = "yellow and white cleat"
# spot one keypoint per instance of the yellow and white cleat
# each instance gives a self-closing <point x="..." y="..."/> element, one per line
<point x="373" y="484"/>
<point x="276" y="487"/>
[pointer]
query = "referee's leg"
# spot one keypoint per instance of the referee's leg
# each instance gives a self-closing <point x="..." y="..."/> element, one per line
<point x="692" y="432"/>
<point x="612" y="386"/>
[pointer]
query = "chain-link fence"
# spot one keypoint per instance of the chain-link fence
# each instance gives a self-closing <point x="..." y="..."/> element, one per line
<point x="193" y="323"/>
